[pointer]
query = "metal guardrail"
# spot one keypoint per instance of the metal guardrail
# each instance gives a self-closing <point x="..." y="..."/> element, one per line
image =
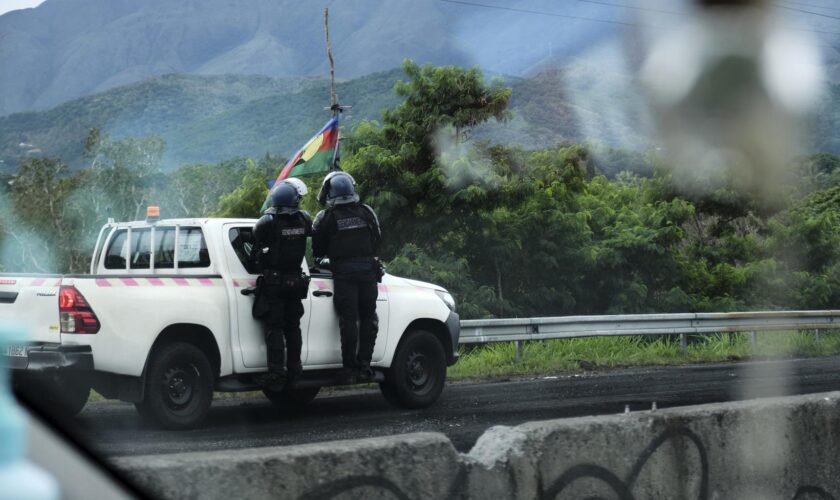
<point x="482" y="331"/>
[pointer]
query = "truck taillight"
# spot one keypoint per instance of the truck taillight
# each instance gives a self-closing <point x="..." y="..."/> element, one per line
<point x="76" y="315"/>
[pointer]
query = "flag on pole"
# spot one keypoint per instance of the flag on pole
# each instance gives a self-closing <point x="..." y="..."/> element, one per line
<point x="316" y="156"/>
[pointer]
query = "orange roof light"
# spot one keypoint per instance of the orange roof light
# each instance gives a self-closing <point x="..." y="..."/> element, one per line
<point x="152" y="213"/>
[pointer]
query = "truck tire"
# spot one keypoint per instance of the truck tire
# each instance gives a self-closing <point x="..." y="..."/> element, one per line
<point x="179" y="387"/>
<point x="64" y="395"/>
<point x="72" y="395"/>
<point x="292" y="399"/>
<point x="417" y="373"/>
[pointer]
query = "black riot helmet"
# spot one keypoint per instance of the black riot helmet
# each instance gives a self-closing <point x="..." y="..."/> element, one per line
<point x="285" y="198"/>
<point x="338" y="188"/>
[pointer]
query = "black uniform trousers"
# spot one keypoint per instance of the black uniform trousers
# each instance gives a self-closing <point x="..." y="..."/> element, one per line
<point x="282" y="322"/>
<point x="355" y="303"/>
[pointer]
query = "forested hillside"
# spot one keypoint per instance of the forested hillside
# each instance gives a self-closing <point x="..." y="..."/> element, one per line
<point x="567" y="229"/>
<point x="202" y="119"/>
<point x="212" y="118"/>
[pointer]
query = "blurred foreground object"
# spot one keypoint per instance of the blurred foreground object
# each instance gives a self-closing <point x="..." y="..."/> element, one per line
<point x="19" y="480"/>
<point x="730" y="91"/>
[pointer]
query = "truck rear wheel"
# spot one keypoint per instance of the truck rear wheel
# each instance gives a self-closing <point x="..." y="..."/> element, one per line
<point x="417" y="373"/>
<point x="72" y="395"/>
<point x="292" y="399"/>
<point x="179" y="387"/>
<point x="65" y="393"/>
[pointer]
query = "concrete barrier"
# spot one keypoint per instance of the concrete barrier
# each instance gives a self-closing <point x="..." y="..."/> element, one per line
<point x="781" y="448"/>
<point x="422" y="465"/>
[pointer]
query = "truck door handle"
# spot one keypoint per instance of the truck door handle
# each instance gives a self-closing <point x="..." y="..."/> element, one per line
<point x="322" y="293"/>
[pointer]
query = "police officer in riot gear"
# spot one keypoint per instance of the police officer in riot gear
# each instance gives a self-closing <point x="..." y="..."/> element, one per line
<point x="278" y="251"/>
<point x="348" y="233"/>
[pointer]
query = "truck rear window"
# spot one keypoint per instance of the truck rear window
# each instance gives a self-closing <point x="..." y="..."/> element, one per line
<point x="117" y="251"/>
<point x="192" y="249"/>
<point x="141" y="252"/>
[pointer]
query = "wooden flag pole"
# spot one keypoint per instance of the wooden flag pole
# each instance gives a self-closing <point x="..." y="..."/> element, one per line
<point x="335" y="107"/>
<point x="333" y="94"/>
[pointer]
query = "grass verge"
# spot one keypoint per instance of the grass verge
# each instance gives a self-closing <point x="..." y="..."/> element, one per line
<point x="575" y="355"/>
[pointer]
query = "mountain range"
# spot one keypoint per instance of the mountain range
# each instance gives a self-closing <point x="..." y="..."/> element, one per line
<point x="225" y="78"/>
<point x="65" y="49"/>
<point x="206" y="119"/>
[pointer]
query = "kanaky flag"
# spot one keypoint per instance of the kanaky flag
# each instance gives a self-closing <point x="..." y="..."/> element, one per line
<point x="316" y="156"/>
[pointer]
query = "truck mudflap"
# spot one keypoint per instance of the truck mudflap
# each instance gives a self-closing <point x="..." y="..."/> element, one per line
<point x="453" y="324"/>
<point x="50" y="357"/>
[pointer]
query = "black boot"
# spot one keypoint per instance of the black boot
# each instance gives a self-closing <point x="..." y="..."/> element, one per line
<point x="347" y="375"/>
<point x="294" y="373"/>
<point x="365" y="373"/>
<point x="272" y="381"/>
<point x="275" y="380"/>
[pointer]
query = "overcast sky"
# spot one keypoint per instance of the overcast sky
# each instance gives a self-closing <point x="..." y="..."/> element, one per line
<point x="7" y="5"/>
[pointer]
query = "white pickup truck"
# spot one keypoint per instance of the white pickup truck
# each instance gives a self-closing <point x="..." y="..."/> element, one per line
<point x="160" y="322"/>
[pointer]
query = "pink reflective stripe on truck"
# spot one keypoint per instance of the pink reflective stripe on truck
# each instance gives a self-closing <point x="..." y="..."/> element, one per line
<point x="127" y="281"/>
<point x="244" y="283"/>
<point x="38" y="281"/>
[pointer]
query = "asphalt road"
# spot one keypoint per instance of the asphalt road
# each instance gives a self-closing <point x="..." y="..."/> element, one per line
<point x="464" y="411"/>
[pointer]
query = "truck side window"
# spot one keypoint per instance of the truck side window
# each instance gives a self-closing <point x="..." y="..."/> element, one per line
<point x="242" y="241"/>
<point x="192" y="249"/>
<point x="164" y="247"/>
<point x="117" y="251"/>
<point x="141" y="253"/>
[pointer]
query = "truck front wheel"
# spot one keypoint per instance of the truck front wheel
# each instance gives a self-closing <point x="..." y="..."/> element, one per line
<point x="417" y="373"/>
<point x="179" y="387"/>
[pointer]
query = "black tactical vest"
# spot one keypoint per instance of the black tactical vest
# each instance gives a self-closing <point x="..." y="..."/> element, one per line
<point x="353" y="236"/>
<point x="285" y="237"/>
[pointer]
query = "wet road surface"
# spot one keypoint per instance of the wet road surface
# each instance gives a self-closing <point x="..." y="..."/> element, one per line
<point x="464" y="412"/>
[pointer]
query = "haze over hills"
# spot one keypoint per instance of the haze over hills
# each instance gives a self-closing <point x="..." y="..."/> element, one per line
<point x="207" y="119"/>
<point x="65" y="49"/>
<point x="213" y="118"/>
<point x="224" y="78"/>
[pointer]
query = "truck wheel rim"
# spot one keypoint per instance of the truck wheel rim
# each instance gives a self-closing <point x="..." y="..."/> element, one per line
<point x="179" y="386"/>
<point x="418" y="372"/>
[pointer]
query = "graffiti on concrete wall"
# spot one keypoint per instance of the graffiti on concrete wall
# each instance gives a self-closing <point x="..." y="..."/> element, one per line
<point x="622" y="487"/>
<point x="566" y="485"/>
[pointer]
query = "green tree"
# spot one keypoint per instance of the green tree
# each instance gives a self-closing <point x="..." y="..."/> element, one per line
<point x="34" y="219"/>
<point x="248" y="197"/>
<point x="397" y="163"/>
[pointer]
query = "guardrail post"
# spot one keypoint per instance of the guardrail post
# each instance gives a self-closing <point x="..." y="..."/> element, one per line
<point x="753" y="340"/>
<point x="817" y="335"/>
<point x="683" y="343"/>
<point x="518" y="351"/>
